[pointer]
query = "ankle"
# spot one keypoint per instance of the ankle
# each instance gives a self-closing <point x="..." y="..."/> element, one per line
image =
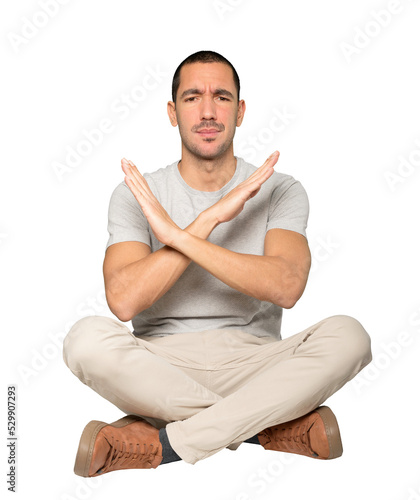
<point x="168" y="453"/>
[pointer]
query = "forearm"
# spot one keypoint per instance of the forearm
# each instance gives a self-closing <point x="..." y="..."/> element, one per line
<point x="266" y="278"/>
<point x="140" y="284"/>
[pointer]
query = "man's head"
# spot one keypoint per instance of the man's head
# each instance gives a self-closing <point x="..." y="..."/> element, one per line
<point x="204" y="56"/>
<point x="206" y="105"/>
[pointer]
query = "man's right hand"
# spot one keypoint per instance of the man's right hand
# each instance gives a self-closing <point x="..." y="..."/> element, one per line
<point x="233" y="202"/>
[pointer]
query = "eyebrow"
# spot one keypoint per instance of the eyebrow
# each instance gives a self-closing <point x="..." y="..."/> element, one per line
<point x="198" y="91"/>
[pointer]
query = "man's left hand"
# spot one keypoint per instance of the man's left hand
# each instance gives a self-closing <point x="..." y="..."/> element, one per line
<point x="163" y="227"/>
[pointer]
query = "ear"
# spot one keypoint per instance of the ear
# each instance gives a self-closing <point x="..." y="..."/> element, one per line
<point x="241" y="112"/>
<point x="172" y="113"/>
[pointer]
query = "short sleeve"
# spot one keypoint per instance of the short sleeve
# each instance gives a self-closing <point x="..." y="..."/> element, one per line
<point x="289" y="207"/>
<point x="126" y="221"/>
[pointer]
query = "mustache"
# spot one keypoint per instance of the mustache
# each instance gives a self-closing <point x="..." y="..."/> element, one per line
<point x="208" y="124"/>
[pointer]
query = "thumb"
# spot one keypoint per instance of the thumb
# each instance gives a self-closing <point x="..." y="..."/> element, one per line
<point x="254" y="193"/>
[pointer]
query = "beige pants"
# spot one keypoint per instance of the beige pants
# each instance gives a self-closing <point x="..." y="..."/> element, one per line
<point x="215" y="389"/>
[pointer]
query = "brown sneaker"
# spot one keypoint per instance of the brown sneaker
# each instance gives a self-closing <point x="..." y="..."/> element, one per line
<point x="128" y="443"/>
<point x="314" y="435"/>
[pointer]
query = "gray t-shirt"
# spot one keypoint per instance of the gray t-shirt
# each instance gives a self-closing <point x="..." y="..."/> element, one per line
<point x="198" y="301"/>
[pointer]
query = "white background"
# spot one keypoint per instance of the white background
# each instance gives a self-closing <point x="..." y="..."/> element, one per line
<point x="346" y="73"/>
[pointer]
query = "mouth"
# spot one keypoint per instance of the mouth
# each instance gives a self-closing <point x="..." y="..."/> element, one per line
<point x="208" y="132"/>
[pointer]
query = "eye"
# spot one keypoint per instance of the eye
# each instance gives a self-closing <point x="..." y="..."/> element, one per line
<point x="189" y="99"/>
<point x="223" y="98"/>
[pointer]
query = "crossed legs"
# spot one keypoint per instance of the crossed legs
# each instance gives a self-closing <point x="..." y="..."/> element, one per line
<point x="215" y="389"/>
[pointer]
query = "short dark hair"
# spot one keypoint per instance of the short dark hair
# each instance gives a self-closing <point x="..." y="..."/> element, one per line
<point x="203" y="56"/>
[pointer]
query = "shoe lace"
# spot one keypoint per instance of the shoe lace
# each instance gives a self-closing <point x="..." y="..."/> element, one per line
<point x="129" y="455"/>
<point x="292" y="438"/>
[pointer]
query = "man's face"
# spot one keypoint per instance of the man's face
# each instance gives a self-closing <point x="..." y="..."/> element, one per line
<point x="207" y="111"/>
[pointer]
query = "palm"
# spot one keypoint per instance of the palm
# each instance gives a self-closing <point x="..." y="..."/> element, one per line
<point x="160" y="222"/>
<point x="232" y="204"/>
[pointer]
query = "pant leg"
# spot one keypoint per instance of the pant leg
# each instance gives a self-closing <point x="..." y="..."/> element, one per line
<point x="295" y="376"/>
<point x="107" y="357"/>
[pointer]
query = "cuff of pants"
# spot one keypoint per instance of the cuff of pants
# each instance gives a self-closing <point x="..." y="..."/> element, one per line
<point x="183" y="451"/>
<point x="175" y="439"/>
<point x="234" y="446"/>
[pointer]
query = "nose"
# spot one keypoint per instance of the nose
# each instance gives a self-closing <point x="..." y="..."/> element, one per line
<point x="208" y="108"/>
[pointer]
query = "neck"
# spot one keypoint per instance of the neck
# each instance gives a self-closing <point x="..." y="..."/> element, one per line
<point x="207" y="175"/>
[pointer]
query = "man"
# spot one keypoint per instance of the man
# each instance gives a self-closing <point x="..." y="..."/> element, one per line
<point x="203" y="256"/>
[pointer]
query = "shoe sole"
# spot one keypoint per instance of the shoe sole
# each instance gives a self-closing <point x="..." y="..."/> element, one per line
<point x="332" y="430"/>
<point x="87" y="442"/>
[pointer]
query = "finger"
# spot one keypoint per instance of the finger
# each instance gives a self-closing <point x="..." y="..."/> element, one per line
<point x="271" y="160"/>
<point x="260" y="181"/>
<point x="139" y="194"/>
<point x="125" y="162"/>
<point x="269" y="163"/>
<point x="136" y="192"/>
<point x="128" y="165"/>
<point x="130" y="173"/>
<point x="264" y="172"/>
<point x="138" y="180"/>
<point x="254" y="186"/>
<point x="139" y="187"/>
<point x="138" y="176"/>
<point x="135" y="187"/>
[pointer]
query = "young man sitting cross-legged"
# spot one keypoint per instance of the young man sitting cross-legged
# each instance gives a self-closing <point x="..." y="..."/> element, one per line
<point x="203" y="256"/>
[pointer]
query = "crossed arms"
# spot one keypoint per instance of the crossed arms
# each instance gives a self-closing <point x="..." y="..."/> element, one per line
<point x="135" y="278"/>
